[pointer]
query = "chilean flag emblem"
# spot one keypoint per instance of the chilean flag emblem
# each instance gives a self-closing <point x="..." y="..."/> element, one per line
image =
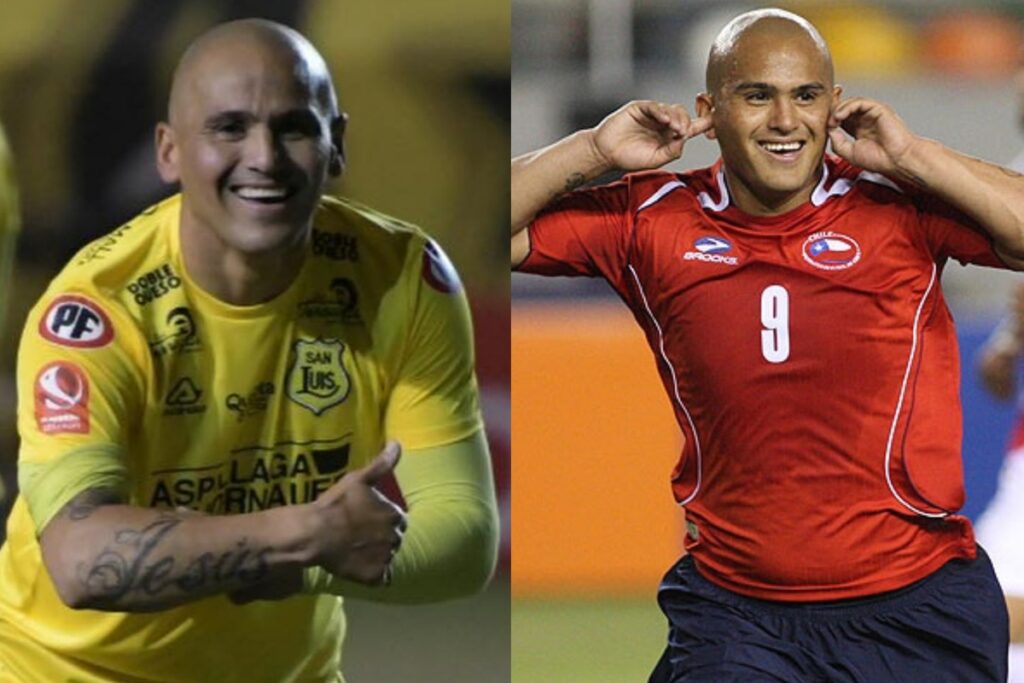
<point x="831" y="250"/>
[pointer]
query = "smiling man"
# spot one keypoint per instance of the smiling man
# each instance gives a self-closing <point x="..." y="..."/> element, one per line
<point x="205" y="398"/>
<point x="792" y="303"/>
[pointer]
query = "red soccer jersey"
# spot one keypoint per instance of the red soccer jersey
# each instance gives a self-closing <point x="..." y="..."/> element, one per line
<point x="811" y="362"/>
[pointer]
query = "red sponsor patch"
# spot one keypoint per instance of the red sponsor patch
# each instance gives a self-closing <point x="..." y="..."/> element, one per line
<point x="438" y="271"/>
<point x="73" y="320"/>
<point x="62" y="399"/>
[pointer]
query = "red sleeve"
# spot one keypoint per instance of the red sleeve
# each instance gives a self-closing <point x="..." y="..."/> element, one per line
<point x="952" y="234"/>
<point x="583" y="233"/>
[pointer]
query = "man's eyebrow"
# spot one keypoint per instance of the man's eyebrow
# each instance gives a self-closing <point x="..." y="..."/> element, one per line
<point x="815" y="86"/>
<point x="753" y="86"/>
<point x="226" y="117"/>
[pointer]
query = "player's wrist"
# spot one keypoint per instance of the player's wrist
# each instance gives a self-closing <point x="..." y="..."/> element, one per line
<point x="918" y="160"/>
<point x="305" y="527"/>
<point x="594" y="161"/>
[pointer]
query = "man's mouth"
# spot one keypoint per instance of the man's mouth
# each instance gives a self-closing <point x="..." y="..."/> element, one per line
<point x="263" y="194"/>
<point x="783" y="150"/>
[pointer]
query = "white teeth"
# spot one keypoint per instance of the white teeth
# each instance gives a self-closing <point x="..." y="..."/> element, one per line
<point x="262" y="192"/>
<point x="782" y="146"/>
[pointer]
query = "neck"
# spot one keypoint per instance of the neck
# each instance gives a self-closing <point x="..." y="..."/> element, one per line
<point x="233" y="276"/>
<point x="765" y="202"/>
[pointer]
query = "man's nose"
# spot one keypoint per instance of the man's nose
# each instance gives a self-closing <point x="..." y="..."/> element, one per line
<point x="262" y="151"/>
<point x="783" y="115"/>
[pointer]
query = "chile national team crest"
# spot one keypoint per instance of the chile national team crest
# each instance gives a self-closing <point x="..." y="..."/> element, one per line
<point x="831" y="250"/>
<point x="317" y="378"/>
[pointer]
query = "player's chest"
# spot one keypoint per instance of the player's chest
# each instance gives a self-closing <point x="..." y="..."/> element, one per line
<point x="258" y="413"/>
<point x="715" y="266"/>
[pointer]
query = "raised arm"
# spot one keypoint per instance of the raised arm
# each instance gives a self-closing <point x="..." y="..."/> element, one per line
<point x="103" y="554"/>
<point x="640" y="135"/>
<point x="990" y="194"/>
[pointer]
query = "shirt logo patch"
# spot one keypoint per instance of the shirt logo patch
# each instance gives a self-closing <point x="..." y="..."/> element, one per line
<point x="181" y="336"/>
<point x="317" y="379"/>
<point x="831" y="250"/>
<point x="711" y="249"/>
<point x="438" y="270"/>
<point x="255" y="402"/>
<point x="76" y="321"/>
<point x="184" y="398"/>
<point x="62" y="399"/>
<point x="712" y="245"/>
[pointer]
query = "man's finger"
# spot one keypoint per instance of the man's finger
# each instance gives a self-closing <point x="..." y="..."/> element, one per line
<point x="841" y="144"/>
<point x="381" y="465"/>
<point x="699" y="126"/>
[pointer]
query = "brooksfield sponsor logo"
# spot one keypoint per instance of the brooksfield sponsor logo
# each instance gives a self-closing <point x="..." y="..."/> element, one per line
<point x="711" y="249"/>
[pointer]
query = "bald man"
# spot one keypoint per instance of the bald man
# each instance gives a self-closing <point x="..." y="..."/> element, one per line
<point x="792" y="303"/>
<point x="210" y="394"/>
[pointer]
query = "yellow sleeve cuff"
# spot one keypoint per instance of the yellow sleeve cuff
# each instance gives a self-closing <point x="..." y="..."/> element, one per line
<point x="48" y="487"/>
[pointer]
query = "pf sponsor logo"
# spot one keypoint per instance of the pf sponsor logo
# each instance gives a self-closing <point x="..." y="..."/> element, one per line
<point x="62" y="399"/>
<point x="438" y="270"/>
<point x="831" y="250"/>
<point x="76" y="321"/>
<point x="711" y="249"/>
<point x="317" y="378"/>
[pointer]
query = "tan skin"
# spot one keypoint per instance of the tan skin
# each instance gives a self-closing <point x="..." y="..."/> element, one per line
<point x="279" y="137"/>
<point x="242" y="120"/>
<point x="775" y="87"/>
<point x="797" y="102"/>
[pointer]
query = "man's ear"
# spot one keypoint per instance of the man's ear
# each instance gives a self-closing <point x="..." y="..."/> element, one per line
<point x="166" y="153"/>
<point x="337" y="163"/>
<point x="705" y="106"/>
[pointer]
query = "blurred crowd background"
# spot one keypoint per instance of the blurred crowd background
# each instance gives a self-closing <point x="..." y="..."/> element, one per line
<point x="595" y="524"/>
<point x="426" y="86"/>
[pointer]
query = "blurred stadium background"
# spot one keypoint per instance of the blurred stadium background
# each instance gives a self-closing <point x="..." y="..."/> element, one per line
<point x="426" y="86"/>
<point x="595" y="526"/>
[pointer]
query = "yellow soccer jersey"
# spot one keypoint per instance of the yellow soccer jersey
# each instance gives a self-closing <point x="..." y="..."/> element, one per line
<point x="131" y="376"/>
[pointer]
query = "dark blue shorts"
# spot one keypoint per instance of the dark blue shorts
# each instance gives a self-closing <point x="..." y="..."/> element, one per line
<point x="949" y="627"/>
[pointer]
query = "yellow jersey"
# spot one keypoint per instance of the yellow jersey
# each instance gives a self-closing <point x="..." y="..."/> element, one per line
<point x="132" y="377"/>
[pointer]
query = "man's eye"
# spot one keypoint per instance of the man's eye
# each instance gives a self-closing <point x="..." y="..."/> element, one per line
<point x="757" y="97"/>
<point x="229" y="129"/>
<point x="807" y="96"/>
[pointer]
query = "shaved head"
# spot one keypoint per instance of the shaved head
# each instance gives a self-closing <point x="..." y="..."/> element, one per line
<point x="252" y="135"/>
<point x="774" y="27"/>
<point x="249" y="40"/>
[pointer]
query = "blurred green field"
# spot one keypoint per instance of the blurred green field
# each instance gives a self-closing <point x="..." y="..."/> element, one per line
<point x="586" y="641"/>
<point x="454" y="642"/>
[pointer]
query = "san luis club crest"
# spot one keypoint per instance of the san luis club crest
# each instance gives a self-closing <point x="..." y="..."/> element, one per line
<point x="317" y="378"/>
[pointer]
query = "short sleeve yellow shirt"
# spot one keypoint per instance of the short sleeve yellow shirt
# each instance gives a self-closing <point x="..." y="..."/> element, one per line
<point x="130" y="376"/>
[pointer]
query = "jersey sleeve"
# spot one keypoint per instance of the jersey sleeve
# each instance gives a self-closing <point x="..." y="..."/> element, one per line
<point x="950" y="233"/>
<point x="79" y="395"/>
<point x="434" y="398"/>
<point x="584" y="233"/>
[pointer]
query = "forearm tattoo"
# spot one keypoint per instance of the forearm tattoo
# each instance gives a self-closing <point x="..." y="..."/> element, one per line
<point x="137" y="562"/>
<point x="85" y="503"/>
<point x="574" y="181"/>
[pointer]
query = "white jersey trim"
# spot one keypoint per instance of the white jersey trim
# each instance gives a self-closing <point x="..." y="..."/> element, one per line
<point x="662" y="191"/>
<point x="899" y="408"/>
<point x="723" y="192"/>
<point x="821" y="195"/>
<point x="675" y="384"/>
<point x="878" y="179"/>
